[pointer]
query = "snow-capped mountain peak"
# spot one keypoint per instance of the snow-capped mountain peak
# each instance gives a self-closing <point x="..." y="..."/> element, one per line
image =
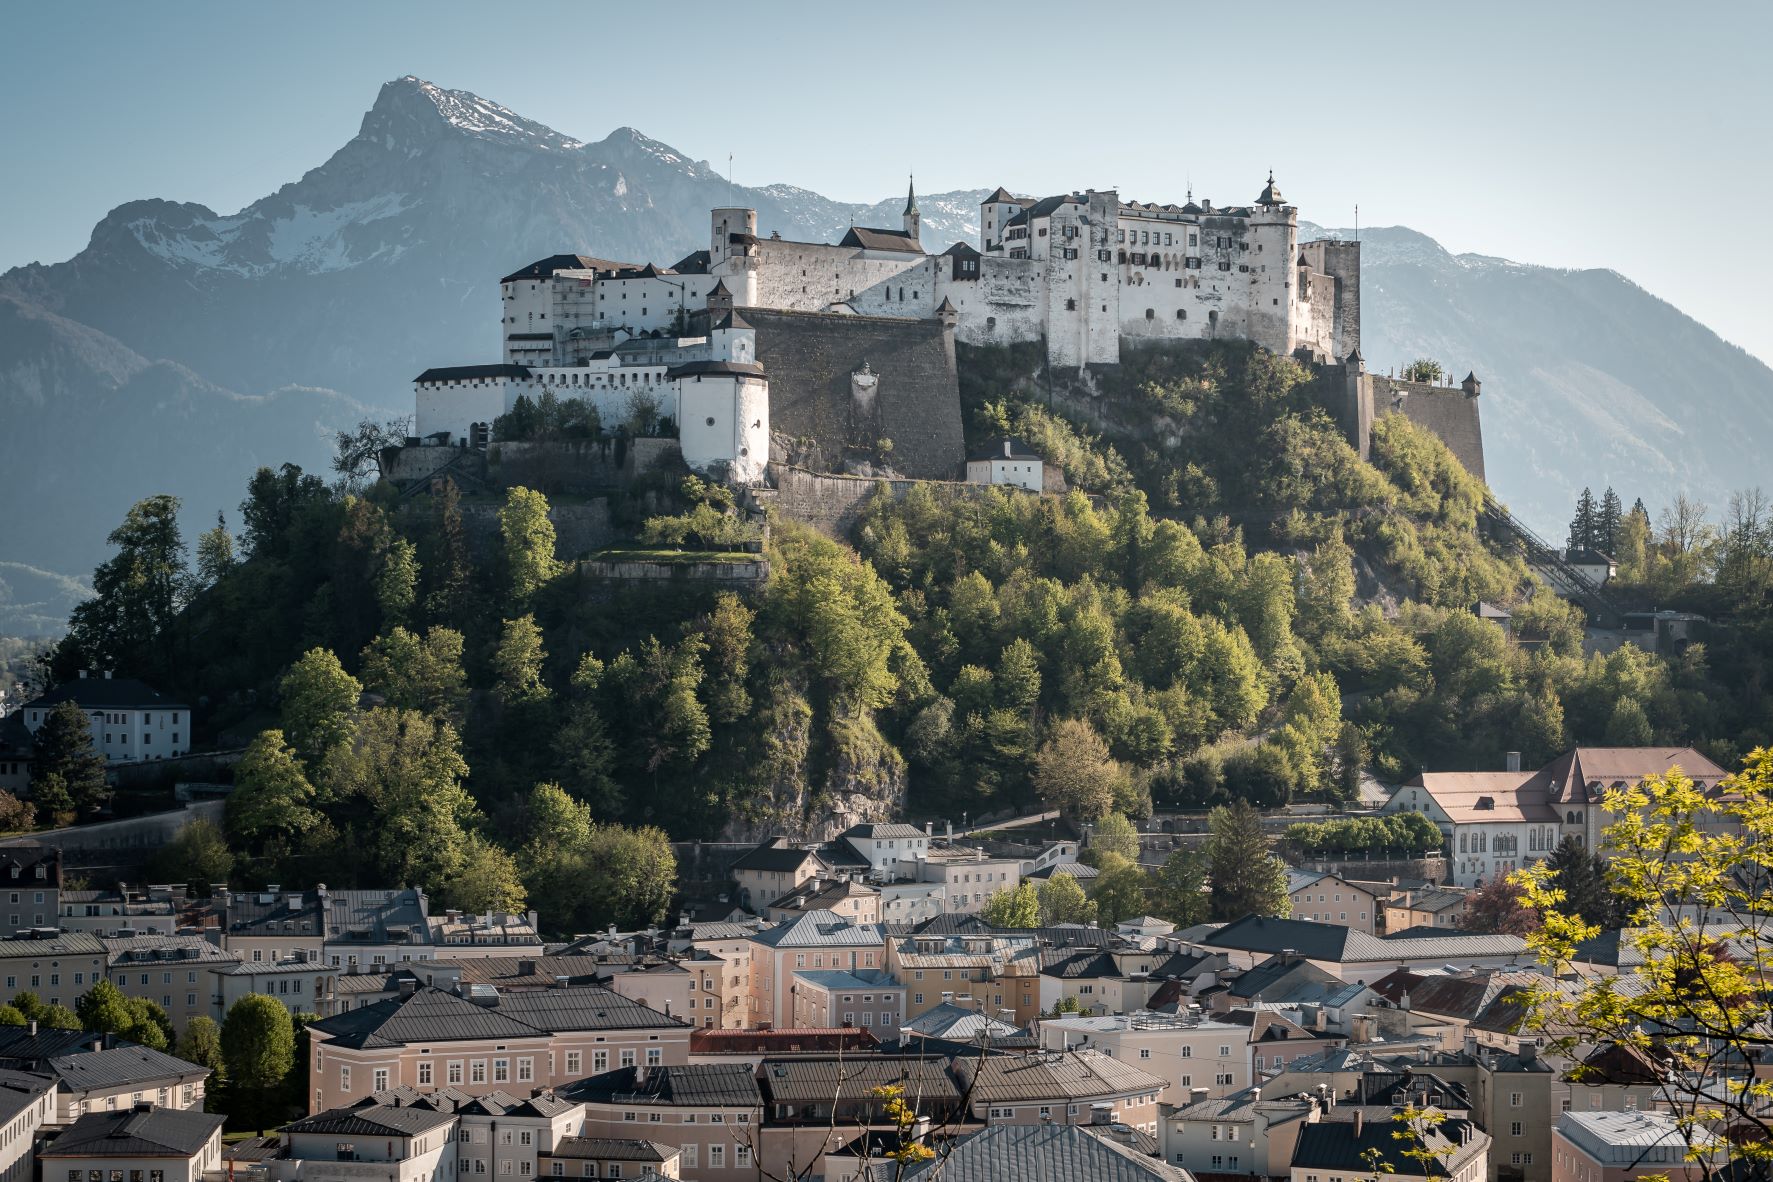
<point x="410" y="112"/>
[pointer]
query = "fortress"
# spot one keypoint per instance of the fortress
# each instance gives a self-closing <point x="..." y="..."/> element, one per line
<point x="839" y="353"/>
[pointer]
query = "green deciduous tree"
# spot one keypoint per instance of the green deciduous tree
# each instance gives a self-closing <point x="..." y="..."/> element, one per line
<point x="517" y="664"/>
<point x="215" y="553"/>
<point x="198" y="855"/>
<point x="397" y="581"/>
<point x="1074" y="772"/>
<point x="201" y="1043"/>
<point x="528" y="538"/>
<point x="1062" y="900"/>
<point x="273" y="801"/>
<point x="583" y="875"/>
<point x="1246" y="878"/>
<point x="1013" y="907"/>
<point x="1688" y="1007"/>
<point x="1120" y="889"/>
<point x="487" y="879"/>
<point x="402" y="774"/>
<point x="418" y="673"/>
<point x="1178" y="890"/>
<point x="258" y="1047"/>
<point x="319" y="699"/>
<point x="729" y="658"/>
<point x="1114" y="834"/>
<point x="127" y="624"/>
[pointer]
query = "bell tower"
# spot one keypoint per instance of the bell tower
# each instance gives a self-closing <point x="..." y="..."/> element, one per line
<point x="912" y="220"/>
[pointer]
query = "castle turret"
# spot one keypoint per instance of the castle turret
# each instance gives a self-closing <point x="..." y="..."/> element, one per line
<point x="1471" y="385"/>
<point x="1274" y="228"/>
<point x="912" y="220"/>
<point x="732" y="252"/>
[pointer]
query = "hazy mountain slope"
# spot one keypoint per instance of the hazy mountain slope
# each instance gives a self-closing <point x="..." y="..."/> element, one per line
<point x="1588" y="378"/>
<point x="386" y="258"/>
<point x="92" y="427"/>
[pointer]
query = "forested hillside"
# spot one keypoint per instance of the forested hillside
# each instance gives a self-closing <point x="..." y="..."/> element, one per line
<point x="1232" y="607"/>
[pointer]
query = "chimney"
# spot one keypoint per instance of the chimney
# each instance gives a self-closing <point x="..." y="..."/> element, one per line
<point x="1514" y="761"/>
<point x="1289" y="955"/>
<point x="408" y="986"/>
<point x="1357" y="1123"/>
<point x="1101" y="1114"/>
<point x="526" y="968"/>
<point x="32" y="1024"/>
<point x="1006" y="449"/>
<point x="950" y="827"/>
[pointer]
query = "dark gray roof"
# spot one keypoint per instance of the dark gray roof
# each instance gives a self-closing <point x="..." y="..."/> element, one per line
<point x="137" y="1132"/>
<point x="545" y="268"/>
<point x="373" y="1120"/>
<point x="732" y="320"/>
<point x="431" y="1015"/>
<point x="813" y="1081"/>
<point x="868" y="238"/>
<point x="1004" y="447"/>
<point x="821" y="929"/>
<point x="468" y="373"/>
<point x="1043" y="1151"/>
<point x="705" y="1085"/>
<point x="1337" y="1146"/>
<point x="96" y="693"/>
<point x="120" y="1066"/>
<point x="1002" y="194"/>
<point x="613" y="1149"/>
<point x="693" y="368"/>
<point x="880" y="832"/>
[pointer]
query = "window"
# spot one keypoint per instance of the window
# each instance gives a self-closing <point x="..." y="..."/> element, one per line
<point x="628" y="1058"/>
<point x="1145" y="1052"/>
<point x="742" y="1156"/>
<point x="1514" y="1099"/>
<point x="716" y="1157"/>
<point x="424" y="1071"/>
<point x="477" y="1071"/>
<point x="344" y="1079"/>
<point x="572" y="1062"/>
<point x="381" y="1079"/>
<point x="455" y="1072"/>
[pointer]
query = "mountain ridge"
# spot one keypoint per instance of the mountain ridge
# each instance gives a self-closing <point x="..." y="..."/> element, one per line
<point x="384" y="258"/>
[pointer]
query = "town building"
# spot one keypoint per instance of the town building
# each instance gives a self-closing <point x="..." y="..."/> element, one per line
<point x="866" y="998"/>
<point x="57" y="966"/>
<point x="122" y="910"/>
<point x="997" y="973"/>
<point x="1187" y="1051"/>
<point x="1237" y="1133"/>
<point x="710" y="1113"/>
<point x="1356" y="956"/>
<point x="1330" y="898"/>
<point x="1007" y="460"/>
<point x="272" y="925"/>
<point x="131" y="721"/>
<point x="140" y="1142"/>
<point x="856" y="901"/>
<point x="817" y="940"/>
<point x="31" y="877"/>
<point x="406" y="1143"/>
<point x="486" y="1042"/>
<point x="1454" y="1150"/>
<point x="456" y="935"/>
<point x="175" y="972"/>
<point x="1619" y="1146"/>
<point x="27" y="1106"/>
<point x="1498" y="822"/>
<point x="1060" y="1087"/>
<point x="1428" y="907"/>
<point x="299" y="985"/>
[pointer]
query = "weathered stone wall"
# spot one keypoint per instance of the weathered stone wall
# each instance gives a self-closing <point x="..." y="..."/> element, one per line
<point x="575" y="466"/>
<point x="579" y="527"/>
<point x="834" y="505"/>
<point x="916" y="402"/>
<point x="122" y="846"/>
<point x="1444" y="410"/>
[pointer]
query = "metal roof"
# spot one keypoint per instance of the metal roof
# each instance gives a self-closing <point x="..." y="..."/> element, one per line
<point x="120" y="1066"/>
<point x="692" y="1085"/>
<point x="137" y="1132"/>
<point x="1043" y="1151"/>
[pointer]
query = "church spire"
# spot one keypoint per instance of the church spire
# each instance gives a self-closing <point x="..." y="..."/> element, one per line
<point x="913" y="223"/>
<point x="911" y="196"/>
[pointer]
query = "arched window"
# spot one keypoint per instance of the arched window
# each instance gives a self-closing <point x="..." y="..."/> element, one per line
<point x="1150" y="314"/>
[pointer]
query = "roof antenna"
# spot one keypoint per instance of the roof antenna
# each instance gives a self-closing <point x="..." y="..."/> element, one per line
<point x="1357" y="221"/>
<point x="732" y="189"/>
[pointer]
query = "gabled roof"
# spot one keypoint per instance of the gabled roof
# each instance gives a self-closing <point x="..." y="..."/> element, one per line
<point x="773" y="855"/>
<point x="1070" y="1076"/>
<point x="98" y="693"/>
<point x="545" y="268"/>
<point x="375" y="1120"/>
<point x="1584" y="773"/>
<point x="1041" y="1152"/>
<point x="796" y="1040"/>
<point x="137" y="1132"/>
<point x="1345" y="1146"/>
<point x="694" y="263"/>
<point x="691" y="1085"/>
<point x="1002" y="194"/>
<point x="957" y="1022"/>
<point x="870" y="238"/>
<point x="1003" y="447"/>
<point x="815" y="1081"/>
<point x="120" y="1066"/>
<point x="1480" y="797"/>
<point x="613" y="1149"/>
<point x="820" y="929"/>
<point x="881" y="832"/>
<point x="431" y="1015"/>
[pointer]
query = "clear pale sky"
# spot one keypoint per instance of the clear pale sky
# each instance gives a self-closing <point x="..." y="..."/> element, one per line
<point x="1626" y="135"/>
